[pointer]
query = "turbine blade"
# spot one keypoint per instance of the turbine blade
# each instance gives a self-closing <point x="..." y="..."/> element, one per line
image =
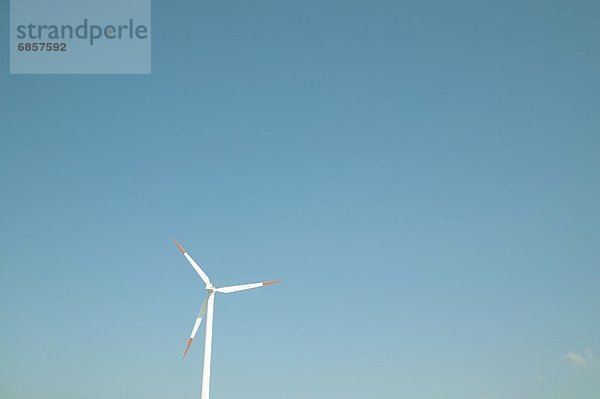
<point x="200" y="272"/>
<point x="243" y="287"/>
<point x="196" y="325"/>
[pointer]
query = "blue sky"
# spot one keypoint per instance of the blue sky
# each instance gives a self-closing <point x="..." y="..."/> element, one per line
<point x="424" y="177"/>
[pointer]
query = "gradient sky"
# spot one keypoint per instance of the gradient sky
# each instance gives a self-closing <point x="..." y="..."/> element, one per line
<point x="423" y="175"/>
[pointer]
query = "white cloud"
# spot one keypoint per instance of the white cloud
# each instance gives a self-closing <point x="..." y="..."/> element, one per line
<point x="580" y="360"/>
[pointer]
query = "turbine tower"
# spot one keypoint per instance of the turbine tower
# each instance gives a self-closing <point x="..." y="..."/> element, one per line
<point x="207" y="308"/>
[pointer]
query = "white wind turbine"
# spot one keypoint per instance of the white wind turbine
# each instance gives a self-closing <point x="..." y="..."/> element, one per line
<point x="207" y="308"/>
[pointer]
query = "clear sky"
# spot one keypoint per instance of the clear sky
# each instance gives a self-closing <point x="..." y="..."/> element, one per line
<point x="423" y="175"/>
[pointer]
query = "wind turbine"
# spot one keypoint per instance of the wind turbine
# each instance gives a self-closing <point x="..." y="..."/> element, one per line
<point x="207" y="308"/>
